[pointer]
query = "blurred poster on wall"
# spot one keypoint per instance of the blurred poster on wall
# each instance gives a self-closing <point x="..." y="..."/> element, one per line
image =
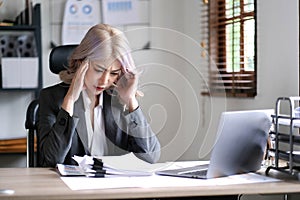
<point x="79" y="16"/>
<point x="120" y="12"/>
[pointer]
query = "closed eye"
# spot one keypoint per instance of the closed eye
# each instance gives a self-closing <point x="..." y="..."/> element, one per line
<point x="101" y="69"/>
<point x="115" y="72"/>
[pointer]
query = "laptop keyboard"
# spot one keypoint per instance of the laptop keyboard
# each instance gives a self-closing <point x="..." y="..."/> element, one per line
<point x="200" y="173"/>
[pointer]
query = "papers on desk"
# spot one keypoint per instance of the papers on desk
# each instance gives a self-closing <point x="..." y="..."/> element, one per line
<point x="69" y="170"/>
<point x="287" y="122"/>
<point x="83" y="183"/>
<point x="95" y="167"/>
<point x="124" y="162"/>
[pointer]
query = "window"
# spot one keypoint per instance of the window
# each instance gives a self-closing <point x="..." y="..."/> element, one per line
<point x="229" y="36"/>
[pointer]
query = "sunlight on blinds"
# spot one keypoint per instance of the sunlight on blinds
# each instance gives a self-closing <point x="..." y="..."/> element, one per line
<point x="228" y="30"/>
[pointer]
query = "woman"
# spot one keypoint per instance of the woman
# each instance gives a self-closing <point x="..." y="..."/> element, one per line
<point x="94" y="111"/>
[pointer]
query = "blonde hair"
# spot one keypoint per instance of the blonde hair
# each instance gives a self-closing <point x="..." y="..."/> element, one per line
<point x="101" y="42"/>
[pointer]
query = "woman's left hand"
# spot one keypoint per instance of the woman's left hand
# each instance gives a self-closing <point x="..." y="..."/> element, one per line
<point x="127" y="89"/>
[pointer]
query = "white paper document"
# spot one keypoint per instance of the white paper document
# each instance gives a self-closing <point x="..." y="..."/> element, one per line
<point x="120" y="12"/>
<point x="79" y="16"/>
<point x="84" y="183"/>
<point x="90" y="166"/>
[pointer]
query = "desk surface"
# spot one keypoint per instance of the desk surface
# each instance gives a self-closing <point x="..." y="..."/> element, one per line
<point x="45" y="183"/>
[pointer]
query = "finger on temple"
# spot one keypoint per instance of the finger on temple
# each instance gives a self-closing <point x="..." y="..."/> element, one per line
<point x="127" y="62"/>
<point x="134" y="72"/>
<point x="139" y="93"/>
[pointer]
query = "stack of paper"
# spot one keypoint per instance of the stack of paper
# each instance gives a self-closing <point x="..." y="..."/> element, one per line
<point x="95" y="167"/>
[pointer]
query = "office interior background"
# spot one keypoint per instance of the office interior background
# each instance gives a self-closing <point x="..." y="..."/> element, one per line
<point x="186" y="121"/>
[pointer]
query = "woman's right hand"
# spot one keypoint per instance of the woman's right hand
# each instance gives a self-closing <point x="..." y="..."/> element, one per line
<point x="77" y="85"/>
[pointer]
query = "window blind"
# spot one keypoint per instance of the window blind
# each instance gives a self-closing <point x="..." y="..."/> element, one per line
<point x="228" y="34"/>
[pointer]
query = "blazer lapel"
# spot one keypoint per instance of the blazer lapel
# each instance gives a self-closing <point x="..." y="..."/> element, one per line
<point x="81" y="126"/>
<point x="111" y="128"/>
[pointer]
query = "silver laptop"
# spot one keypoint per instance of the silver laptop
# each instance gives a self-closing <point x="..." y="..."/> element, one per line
<point x="241" y="142"/>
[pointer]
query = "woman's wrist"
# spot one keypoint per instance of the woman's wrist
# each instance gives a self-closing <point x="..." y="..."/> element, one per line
<point x="68" y="105"/>
<point x="133" y="104"/>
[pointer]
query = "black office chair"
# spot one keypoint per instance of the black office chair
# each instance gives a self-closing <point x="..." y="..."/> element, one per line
<point x="58" y="61"/>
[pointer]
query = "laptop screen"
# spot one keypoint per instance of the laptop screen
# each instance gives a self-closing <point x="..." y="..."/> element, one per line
<point x="240" y="144"/>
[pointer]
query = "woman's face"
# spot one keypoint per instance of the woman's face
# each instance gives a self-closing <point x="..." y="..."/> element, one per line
<point x="100" y="77"/>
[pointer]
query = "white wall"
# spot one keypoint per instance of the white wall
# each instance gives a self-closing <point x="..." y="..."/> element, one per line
<point x="278" y="65"/>
<point x="195" y="117"/>
<point x="186" y="121"/>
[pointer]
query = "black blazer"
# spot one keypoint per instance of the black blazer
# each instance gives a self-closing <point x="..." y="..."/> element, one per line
<point x="62" y="136"/>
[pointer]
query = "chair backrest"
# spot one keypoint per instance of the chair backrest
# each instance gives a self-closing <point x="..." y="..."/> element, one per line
<point x="59" y="56"/>
<point x="58" y="61"/>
